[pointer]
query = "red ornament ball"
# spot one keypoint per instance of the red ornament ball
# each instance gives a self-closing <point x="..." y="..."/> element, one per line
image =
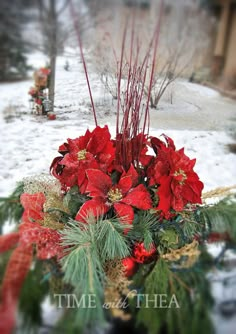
<point x="142" y="255"/>
<point x="130" y="266"/>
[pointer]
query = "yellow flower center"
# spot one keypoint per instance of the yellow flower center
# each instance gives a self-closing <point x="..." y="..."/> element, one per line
<point x="181" y="173"/>
<point x="114" y="195"/>
<point x="82" y="155"/>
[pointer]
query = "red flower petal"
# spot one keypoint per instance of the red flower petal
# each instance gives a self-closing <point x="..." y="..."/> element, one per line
<point x="124" y="212"/>
<point x="99" y="183"/>
<point x="138" y="197"/>
<point x="94" y="207"/>
<point x="133" y="174"/>
<point x="169" y="141"/>
<point x="164" y="194"/>
<point x="99" y="138"/>
<point x="31" y="216"/>
<point x="125" y="184"/>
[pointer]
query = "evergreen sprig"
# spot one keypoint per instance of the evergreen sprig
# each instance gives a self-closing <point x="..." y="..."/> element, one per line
<point x="11" y="209"/>
<point x="112" y="243"/>
<point x="144" y="225"/>
<point x="83" y="270"/>
<point x="193" y="297"/>
<point x="30" y="304"/>
<point x="87" y="246"/>
<point x="221" y="217"/>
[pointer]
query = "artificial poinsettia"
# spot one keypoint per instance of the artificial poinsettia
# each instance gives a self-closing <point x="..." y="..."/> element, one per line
<point x="122" y="197"/>
<point x="173" y="172"/>
<point x="93" y="150"/>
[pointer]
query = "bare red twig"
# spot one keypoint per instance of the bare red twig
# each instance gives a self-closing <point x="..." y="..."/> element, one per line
<point x="128" y="134"/>
<point x="76" y="26"/>
<point x="156" y="39"/>
<point x="120" y="76"/>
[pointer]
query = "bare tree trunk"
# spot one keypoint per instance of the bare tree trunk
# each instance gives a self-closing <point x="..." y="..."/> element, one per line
<point x="52" y="50"/>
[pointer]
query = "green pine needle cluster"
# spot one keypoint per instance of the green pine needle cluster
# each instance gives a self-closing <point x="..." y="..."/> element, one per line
<point x="94" y="244"/>
<point x="221" y="217"/>
<point x="144" y="226"/>
<point x="11" y="209"/>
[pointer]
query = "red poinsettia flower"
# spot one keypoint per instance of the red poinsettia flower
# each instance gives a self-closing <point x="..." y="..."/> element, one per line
<point x="173" y="172"/>
<point x="93" y="150"/>
<point x="122" y="196"/>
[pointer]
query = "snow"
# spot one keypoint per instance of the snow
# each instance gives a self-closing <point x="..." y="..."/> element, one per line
<point x="198" y="120"/>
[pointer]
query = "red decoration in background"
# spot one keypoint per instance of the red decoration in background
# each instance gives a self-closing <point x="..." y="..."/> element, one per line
<point x="51" y="116"/>
<point x="218" y="237"/>
<point x="39" y="92"/>
<point x="44" y="71"/>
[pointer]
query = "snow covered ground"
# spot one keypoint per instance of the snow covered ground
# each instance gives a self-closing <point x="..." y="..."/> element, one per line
<point x="198" y="119"/>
